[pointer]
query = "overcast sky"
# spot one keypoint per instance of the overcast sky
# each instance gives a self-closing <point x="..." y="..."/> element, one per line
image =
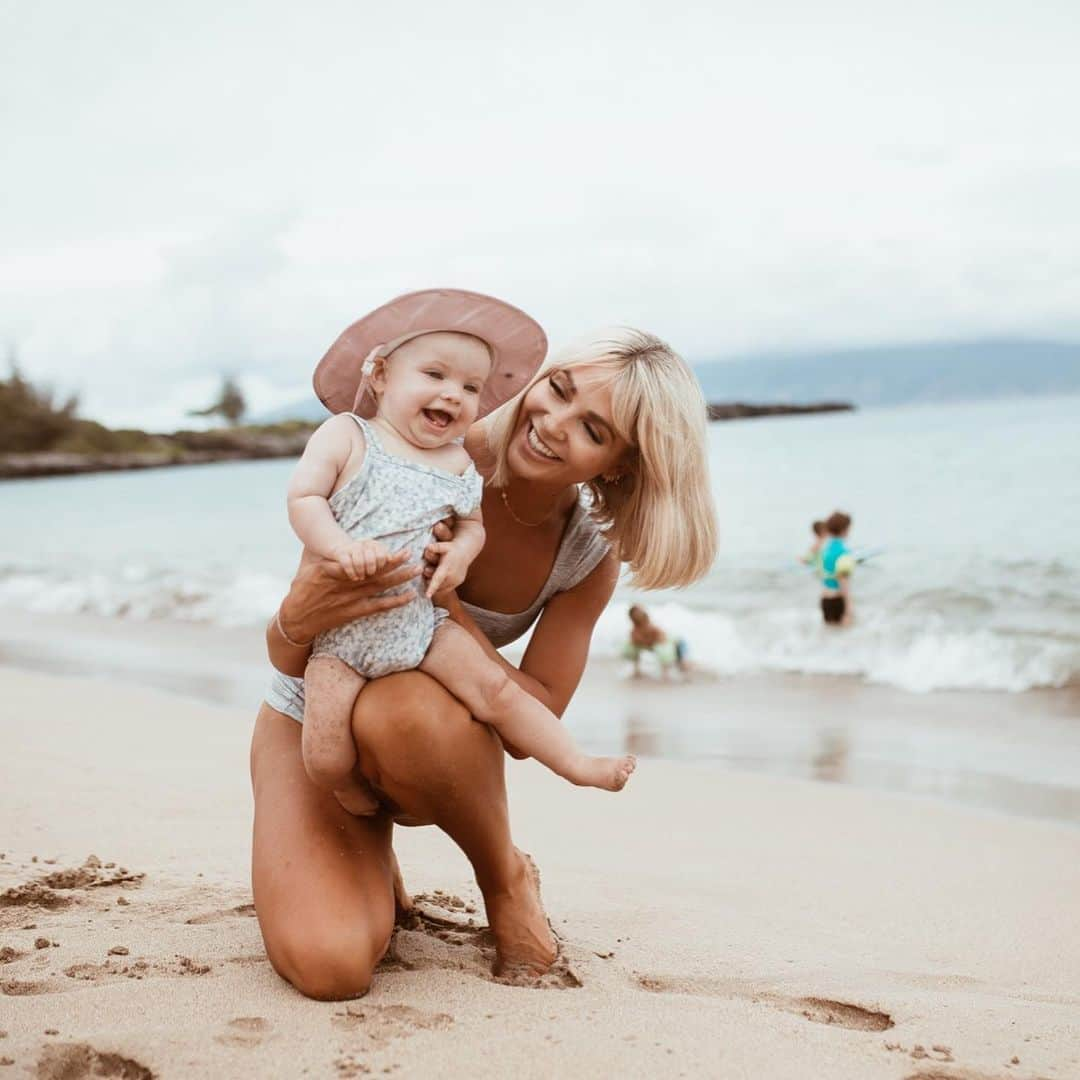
<point x="189" y="190"/>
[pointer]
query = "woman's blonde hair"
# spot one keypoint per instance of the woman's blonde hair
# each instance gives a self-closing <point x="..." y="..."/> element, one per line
<point x="659" y="516"/>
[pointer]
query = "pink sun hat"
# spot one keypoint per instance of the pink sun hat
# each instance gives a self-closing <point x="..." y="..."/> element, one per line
<point x="517" y="342"/>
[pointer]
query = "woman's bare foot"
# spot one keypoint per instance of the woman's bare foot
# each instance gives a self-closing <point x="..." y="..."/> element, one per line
<point x="608" y="773"/>
<point x="357" y="797"/>
<point x="524" y="943"/>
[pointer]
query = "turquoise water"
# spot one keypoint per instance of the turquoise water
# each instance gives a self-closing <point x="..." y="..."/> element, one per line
<point x="977" y="508"/>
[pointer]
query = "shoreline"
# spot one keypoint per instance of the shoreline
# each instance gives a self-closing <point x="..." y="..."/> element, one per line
<point x="1009" y="753"/>
<point x="712" y="923"/>
<point x="284" y="440"/>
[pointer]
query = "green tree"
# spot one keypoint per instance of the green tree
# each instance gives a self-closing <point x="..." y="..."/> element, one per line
<point x="230" y="404"/>
<point x="30" y="416"/>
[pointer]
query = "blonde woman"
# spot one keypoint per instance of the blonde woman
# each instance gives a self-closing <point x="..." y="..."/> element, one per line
<point x="599" y="462"/>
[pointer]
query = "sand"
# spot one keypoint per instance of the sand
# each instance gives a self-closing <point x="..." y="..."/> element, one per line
<point x="713" y="923"/>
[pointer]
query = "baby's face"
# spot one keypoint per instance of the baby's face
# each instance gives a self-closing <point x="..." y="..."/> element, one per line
<point x="429" y="388"/>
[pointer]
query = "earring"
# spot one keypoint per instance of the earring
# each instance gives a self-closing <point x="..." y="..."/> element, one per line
<point x="611" y="477"/>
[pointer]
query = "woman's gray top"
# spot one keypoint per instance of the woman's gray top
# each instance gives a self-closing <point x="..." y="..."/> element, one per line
<point x="580" y="551"/>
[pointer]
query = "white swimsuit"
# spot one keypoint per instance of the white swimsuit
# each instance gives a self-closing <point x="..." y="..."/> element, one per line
<point x="397" y="502"/>
<point x="580" y="550"/>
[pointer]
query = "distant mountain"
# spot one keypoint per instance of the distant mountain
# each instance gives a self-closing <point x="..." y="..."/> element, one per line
<point x="878" y="375"/>
<point x="897" y="374"/>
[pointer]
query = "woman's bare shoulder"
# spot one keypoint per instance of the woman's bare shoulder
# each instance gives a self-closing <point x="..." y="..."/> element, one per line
<point x="476" y="445"/>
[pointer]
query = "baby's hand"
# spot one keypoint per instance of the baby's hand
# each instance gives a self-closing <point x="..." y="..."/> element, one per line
<point x="451" y="571"/>
<point x="361" y="558"/>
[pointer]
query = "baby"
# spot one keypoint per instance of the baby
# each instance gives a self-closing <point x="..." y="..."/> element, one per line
<point x="364" y="490"/>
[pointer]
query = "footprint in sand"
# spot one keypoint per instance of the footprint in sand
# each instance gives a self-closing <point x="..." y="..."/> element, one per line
<point x="950" y="1074"/>
<point x="80" y="1061"/>
<point x="241" y="910"/>
<point x="245" y="1032"/>
<point x="381" y="1025"/>
<point x="817" y="1009"/>
<point x="59" y="889"/>
<point x="115" y="970"/>
<point x="439" y="933"/>
<point x="22" y="987"/>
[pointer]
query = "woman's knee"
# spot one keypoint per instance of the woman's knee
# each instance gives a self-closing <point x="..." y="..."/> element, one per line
<point x="328" y="966"/>
<point x="409" y="707"/>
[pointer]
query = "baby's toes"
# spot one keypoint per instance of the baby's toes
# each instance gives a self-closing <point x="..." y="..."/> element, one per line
<point x="624" y="767"/>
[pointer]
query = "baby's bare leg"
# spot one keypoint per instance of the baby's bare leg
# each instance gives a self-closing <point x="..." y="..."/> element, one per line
<point x="459" y="663"/>
<point x="330" y="690"/>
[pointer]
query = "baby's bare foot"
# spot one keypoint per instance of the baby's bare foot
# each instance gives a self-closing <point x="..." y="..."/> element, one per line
<point x="357" y="798"/>
<point x="608" y="773"/>
<point x="524" y="943"/>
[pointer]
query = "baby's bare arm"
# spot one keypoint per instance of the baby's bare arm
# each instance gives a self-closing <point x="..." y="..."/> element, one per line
<point x="325" y="457"/>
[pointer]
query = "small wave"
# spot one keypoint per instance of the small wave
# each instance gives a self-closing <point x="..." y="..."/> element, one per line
<point x="140" y="593"/>
<point x="917" y="654"/>
<point x="910" y="645"/>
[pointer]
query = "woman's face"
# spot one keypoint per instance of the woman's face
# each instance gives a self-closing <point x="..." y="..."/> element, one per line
<point x="565" y="433"/>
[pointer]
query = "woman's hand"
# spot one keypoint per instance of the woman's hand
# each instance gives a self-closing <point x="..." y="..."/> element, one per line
<point x="443" y="533"/>
<point x="322" y="597"/>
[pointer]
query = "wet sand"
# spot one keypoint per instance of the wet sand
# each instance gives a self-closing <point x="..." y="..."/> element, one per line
<point x="1015" y="753"/>
<point x="712" y="922"/>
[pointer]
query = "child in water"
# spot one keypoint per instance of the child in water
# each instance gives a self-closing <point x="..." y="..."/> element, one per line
<point x="836" y="566"/>
<point x="646" y="636"/>
<point x="375" y="480"/>
<point x="814" y="551"/>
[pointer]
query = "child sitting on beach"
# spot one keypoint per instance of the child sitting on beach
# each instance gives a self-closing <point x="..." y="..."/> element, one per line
<point x="365" y="489"/>
<point x="646" y="636"/>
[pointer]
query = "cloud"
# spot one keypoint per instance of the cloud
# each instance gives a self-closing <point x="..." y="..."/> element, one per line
<point x="201" y="195"/>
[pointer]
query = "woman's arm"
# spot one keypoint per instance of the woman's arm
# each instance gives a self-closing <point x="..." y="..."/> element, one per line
<point x="322" y="597"/>
<point x="559" y="647"/>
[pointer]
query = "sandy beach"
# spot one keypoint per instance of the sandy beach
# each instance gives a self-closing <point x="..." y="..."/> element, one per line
<point x="713" y="923"/>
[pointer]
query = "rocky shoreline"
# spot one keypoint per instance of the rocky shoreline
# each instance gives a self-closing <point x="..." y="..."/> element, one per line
<point x="246" y="444"/>
<point x="168" y="450"/>
<point x="739" y="410"/>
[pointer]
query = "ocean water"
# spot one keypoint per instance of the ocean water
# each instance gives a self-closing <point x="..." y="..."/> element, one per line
<point x="974" y="509"/>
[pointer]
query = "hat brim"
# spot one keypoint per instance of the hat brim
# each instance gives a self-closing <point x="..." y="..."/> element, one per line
<point x="517" y="342"/>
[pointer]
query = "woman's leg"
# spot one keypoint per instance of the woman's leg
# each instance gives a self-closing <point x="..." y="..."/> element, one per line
<point x="323" y="879"/>
<point x="422" y="751"/>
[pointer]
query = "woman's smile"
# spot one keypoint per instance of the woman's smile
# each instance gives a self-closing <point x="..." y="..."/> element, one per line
<point x="535" y="443"/>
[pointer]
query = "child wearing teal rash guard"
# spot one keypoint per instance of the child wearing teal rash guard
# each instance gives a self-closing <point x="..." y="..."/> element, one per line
<point x="836" y="564"/>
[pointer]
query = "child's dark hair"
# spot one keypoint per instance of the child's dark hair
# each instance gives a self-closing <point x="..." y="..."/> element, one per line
<point x="837" y="523"/>
<point x="818" y="528"/>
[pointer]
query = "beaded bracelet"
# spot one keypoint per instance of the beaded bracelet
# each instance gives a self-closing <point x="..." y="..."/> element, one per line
<point x="281" y="631"/>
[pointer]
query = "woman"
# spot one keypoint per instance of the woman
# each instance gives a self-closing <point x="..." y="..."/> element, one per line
<point x="624" y="417"/>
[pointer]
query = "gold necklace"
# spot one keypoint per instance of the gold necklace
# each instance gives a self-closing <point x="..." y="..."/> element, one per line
<point x="522" y="521"/>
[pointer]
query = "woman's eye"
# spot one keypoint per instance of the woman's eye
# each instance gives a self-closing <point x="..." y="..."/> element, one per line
<point x="559" y="391"/>
<point x="594" y="434"/>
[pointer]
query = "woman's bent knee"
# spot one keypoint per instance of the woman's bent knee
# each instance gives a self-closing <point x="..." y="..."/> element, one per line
<point x="407" y="706"/>
<point x="328" y="967"/>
